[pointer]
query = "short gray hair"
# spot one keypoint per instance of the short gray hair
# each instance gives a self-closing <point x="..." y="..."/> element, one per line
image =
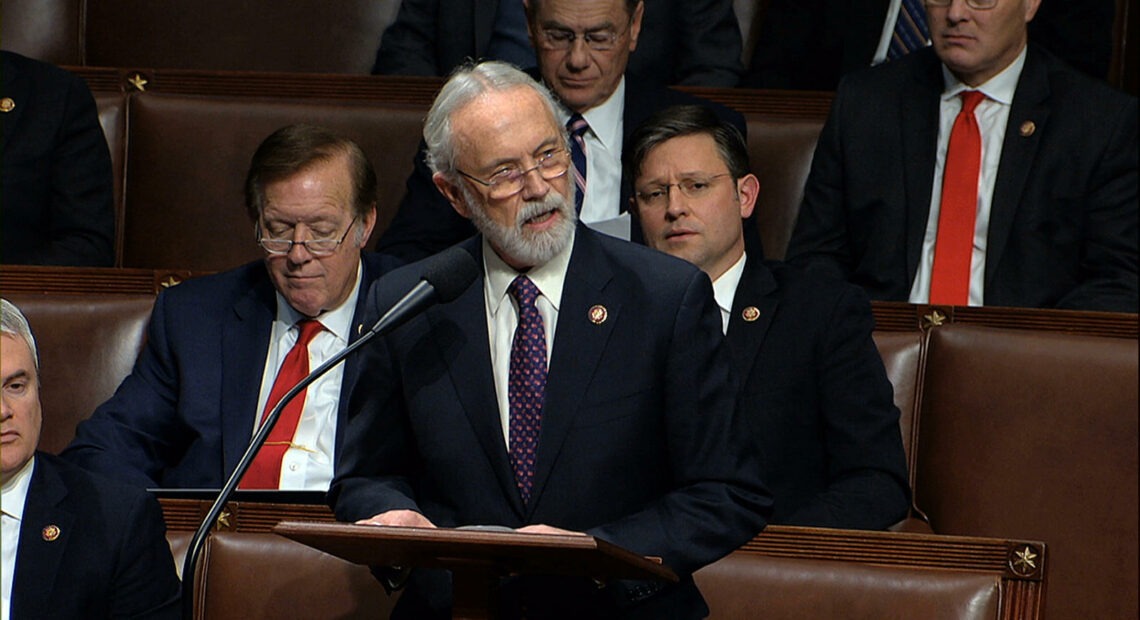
<point x="13" y="323"/>
<point x="466" y="83"/>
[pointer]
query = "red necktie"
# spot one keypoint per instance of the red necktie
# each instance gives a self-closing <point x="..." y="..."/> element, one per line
<point x="954" y="245"/>
<point x="265" y="471"/>
<point x="527" y="384"/>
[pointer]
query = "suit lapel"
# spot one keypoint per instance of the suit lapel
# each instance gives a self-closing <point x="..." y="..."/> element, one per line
<point x="369" y="274"/>
<point x="244" y="342"/>
<point x="469" y="364"/>
<point x="578" y="346"/>
<point x="757" y="289"/>
<point x="919" y="142"/>
<point x="1017" y="155"/>
<point x="38" y="559"/>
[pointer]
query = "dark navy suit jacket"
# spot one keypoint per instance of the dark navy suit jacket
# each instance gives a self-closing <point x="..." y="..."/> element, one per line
<point x="426" y="223"/>
<point x="1063" y="222"/>
<point x="818" y="399"/>
<point x="639" y="444"/>
<point x="185" y="415"/>
<point x="55" y="178"/>
<point x="108" y="559"/>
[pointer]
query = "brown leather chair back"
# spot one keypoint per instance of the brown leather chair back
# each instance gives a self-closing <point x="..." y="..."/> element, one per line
<point x="87" y="344"/>
<point x="309" y="36"/>
<point x="112" y="108"/>
<point x="47" y="30"/>
<point x="744" y="585"/>
<point x="780" y="151"/>
<point x="1034" y="434"/>
<point x="188" y="157"/>
<point x="902" y="353"/>
<point x="249" y="575"/>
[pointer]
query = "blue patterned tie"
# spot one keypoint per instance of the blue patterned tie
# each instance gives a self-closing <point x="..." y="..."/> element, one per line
<point x="577" y="127"/>
<point x="526" y="384"/>
<point x="911" y="32"/>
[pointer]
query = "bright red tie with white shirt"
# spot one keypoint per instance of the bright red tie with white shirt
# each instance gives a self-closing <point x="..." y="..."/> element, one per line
<point x="265" y="471"/>
<point x="954" y="245"/>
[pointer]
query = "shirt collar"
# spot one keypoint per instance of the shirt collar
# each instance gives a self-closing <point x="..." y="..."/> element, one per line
<point x="337" y="321"/>
<point x="1000" y="87"/>
<point x="724" y="289"/>
<point x="15" y="491"/>
<point x="605" y="120"/>
<point x="549" y="277"/>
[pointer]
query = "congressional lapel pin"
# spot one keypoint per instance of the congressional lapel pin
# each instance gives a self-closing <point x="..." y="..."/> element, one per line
<point x="360" y="329"/>
<point x="7" y="105"/>
<point x="751" y="313"/>
<point x="1027" y="129"/>
<point x="598" y="314"/>
<point x="50" y="532"/>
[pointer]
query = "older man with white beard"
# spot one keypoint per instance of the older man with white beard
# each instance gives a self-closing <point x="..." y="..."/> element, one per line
<point x="581" y="384"/>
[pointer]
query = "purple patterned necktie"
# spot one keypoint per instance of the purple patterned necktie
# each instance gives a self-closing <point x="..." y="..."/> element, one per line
<point x="577" y="127"/>
<point x="526" y="384"/>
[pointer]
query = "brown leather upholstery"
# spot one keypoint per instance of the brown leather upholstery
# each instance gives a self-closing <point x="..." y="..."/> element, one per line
<point x="250" y="575"/>
<point x="87" y="345"/>
<point x="188" y="156"/>
<point x="1035" y="434"/>
<point x="113" y="117"/>
<point x="309" y="36"/>
<point x="780" y="152"/>
<point x="902" y="356"/>
<point x="48" y="30"/>
<point x="744" y="585"/>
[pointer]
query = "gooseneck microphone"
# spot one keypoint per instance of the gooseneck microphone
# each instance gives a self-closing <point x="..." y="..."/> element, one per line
<point x="444" y="277"/>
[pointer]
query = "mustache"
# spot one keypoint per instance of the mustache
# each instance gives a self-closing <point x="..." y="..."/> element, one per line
<point x="553" y="201"/>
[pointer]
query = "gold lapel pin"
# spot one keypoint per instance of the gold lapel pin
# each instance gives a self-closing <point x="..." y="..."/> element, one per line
<point x="751" y="313"/>
<point x="598" y="314"/>
<point x="50" y="532"/>
<point x="7" y="105"/>
<point x="1027" y="129"/>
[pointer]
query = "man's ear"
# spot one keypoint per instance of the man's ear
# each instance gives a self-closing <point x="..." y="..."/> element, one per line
<point x="451" y="192"/>
<point x="748" y="189"/>
<point x="635" y="24"/>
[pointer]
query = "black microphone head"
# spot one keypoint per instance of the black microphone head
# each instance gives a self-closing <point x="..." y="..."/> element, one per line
<point x="450" y="273"/>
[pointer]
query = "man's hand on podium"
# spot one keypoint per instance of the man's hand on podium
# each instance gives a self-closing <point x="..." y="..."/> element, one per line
<point x="547" y="529"/>
<point x="398" y="518"/>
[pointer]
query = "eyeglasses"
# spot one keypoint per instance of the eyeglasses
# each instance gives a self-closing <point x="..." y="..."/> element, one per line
<point x="980" y="5"/>
<point x="509" y="180"/>
<point x="560" y="39"/>
<point x="656" y="196"/>
<point x="316" y="247"/>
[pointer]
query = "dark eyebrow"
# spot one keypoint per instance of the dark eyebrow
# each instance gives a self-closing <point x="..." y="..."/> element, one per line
<point x="556" y="25"/>
<point x="19" y="374"/>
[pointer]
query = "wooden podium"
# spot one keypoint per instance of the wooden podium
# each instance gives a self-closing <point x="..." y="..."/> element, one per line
<point x="476" y="558"/>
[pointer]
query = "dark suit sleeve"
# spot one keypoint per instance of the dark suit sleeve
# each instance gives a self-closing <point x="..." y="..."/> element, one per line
<point x="425" y="223"/>
<point x="408" y="46"/>
<point x="866" y="468"/>
<point x="819" y="241"/>
<point x="708" y="47"/>
<point x="144" y="583"/>
<point x="1108" y="269"/>
<point x="717" y="502"/>
<point x="136" y="434"/>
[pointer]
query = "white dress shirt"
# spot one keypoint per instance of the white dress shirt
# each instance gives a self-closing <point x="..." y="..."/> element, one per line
<point x="308" y="463"/>
<point x="503" y="315"/>
<point x="724" y="289"/>
<point x="12" y="497"/>
<point x="602" y="202"/>
<point x="992" y="115"/>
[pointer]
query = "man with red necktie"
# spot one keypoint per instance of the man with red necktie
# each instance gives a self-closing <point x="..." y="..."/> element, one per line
<point x="981" y="171"/>
<point x="222" y="349"/>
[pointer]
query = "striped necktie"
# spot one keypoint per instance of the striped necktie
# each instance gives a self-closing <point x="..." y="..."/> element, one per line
<point x="911" y="32"/>
<point x="577" y="127"/>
